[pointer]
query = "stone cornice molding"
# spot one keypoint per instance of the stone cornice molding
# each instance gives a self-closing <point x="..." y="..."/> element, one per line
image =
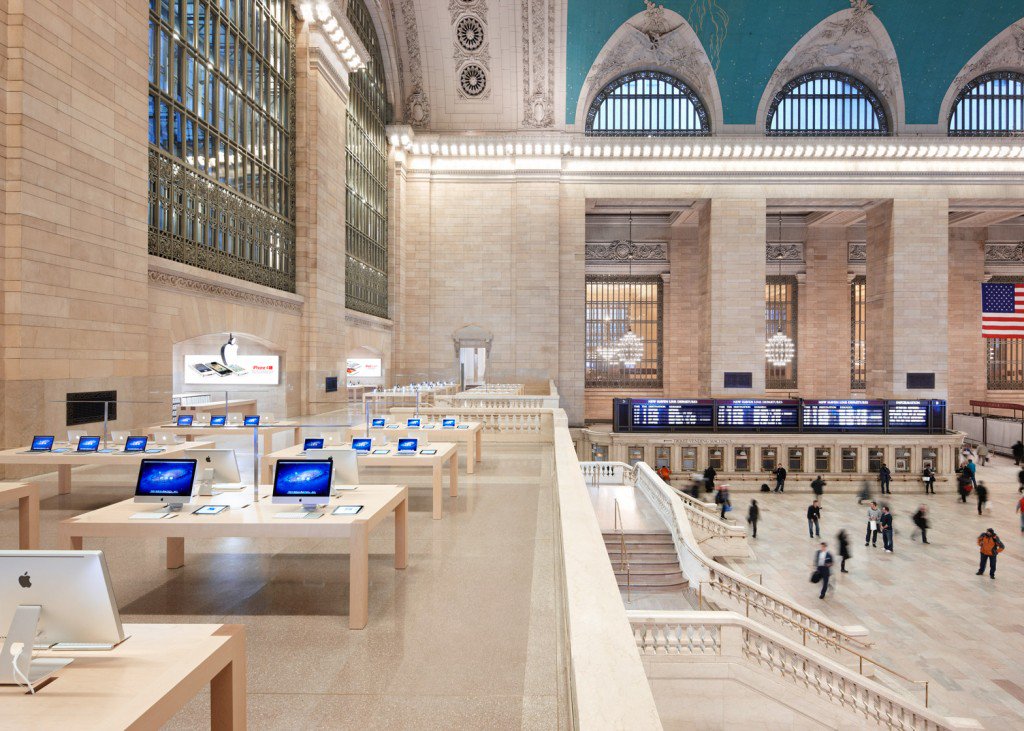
<point x="326" y="62"/>
<point x="368" y="322"/>
<point x="208" y="284"/>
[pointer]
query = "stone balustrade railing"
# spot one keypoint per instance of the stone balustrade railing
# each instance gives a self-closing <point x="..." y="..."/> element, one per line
<point x="727" y="588"/>
<point x="731" y="638"/>
<point x="508" y="424"/>
<point x="473" y="401"/>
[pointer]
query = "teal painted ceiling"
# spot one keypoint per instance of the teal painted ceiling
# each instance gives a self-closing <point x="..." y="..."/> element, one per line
<point x="933" y="40"/>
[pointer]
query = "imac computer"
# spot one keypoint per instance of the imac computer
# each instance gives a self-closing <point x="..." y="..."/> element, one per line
<point x="251" y="421"/>
<point x="413" y="423"/>
<point x="312" y="443"/>
<point x="305" y="482"/>
<point x="88" y="444"/>
<point x="60" y="600"/>
<point x="41" y="444"/>
<point x="362" y="445"/>
<point x="215" y="468"/>
<point x="218" y="420"/>
<point x="378" y="423"/>
<point x="168" y="481"/>
<point x="408" y="446"/>
<point x="346" y="466"/>
<point x="136" y="444"/>
<point x="184" y="420"/>
<point x="448" y="423"/>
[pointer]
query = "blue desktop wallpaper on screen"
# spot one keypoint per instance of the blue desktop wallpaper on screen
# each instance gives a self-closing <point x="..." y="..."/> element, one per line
<point x="303" y="479"/>
<point x="161" y="480"/>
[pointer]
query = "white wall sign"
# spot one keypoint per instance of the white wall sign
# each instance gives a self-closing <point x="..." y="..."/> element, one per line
<point x="247" y="370"/>
<point x="364" y="368"/>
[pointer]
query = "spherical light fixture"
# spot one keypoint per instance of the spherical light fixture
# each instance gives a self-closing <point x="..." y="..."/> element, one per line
<point x="630" y="349"/>
<point x="779" y="350"/>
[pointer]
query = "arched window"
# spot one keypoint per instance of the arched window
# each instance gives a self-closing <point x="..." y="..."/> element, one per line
<point x="647" y="104"/>
<point x="991" y="105"/>
<point x="826" y="104"/>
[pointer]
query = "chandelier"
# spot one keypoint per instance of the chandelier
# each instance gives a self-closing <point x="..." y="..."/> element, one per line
<point x="779" y="350"/>
<point x="630" y="347"/>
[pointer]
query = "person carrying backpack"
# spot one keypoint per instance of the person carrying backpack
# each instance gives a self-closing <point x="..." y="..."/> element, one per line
<point x="990" y="546"/>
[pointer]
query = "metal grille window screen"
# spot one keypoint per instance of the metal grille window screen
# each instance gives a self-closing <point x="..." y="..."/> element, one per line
<point x="614" y="305"/>
<point x="1004" y="357"/>
<point x="649" y="104"/>
<point x="826" y="103"/>
<point x="366" y="162"/>
<point x="221" y="137"/>
<point x="990" y="106"/>
<point x="780" y="316"/>
<point x="858" y="334"/>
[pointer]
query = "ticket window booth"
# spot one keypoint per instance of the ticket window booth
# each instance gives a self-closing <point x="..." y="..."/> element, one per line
<point x="876" y="456"/>
<point x="930" y="458"/>
<point x="662" y="457"/>
<point x="769" y="459"/>
<point x="690" y="459"/>
<point x="599" y="453"/>
<point x="715" y="458"/>
<point x="741" y="459"/>
<point x="634" y="455"/>
<point x="796" y="459"/>
<point x="902" y="461"/>
<point x="822" y="460"/>
<point x="849" y="459"/>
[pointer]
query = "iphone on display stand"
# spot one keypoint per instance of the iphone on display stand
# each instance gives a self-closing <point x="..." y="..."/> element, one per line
<point x="237" y="370"/>
<point x="202" y="369"/>
<point x="219" y="368"/>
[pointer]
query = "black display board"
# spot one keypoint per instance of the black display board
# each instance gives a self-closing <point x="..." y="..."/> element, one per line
<point x="895" y="416"/>
<point x="758" y="415"/>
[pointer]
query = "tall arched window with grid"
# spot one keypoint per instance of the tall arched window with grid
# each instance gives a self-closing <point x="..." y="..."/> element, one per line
<point x="647" y="104"/>
<point x="826" y="104"/>
<point x="992" y="105"/>
<point x="366" y="189"/>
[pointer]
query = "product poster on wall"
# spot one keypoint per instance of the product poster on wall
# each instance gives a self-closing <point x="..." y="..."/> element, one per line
<point x="364" y="368"/>
<point x="243" y="370"/>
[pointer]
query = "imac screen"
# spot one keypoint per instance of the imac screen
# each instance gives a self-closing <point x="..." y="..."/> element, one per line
<point x="303" y="478"/>
<point x="166" y="477"/>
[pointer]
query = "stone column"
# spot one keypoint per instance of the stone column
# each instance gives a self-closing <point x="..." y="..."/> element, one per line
<point x="907" y="276"/>
<point x="967" y="364"/>
<point x="572" y="303"/>
<point x="681" y="327"/>
<point x="321" y="105"/>
<point x="824" y="315"/>
<point x="731" y="242"/>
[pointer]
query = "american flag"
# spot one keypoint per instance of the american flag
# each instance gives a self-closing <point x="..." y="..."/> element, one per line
<point x="1002" y="310"/>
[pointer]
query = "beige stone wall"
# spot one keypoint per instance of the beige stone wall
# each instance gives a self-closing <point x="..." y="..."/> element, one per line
<point x="823" y="305"/>
<point x="967" y="377"/>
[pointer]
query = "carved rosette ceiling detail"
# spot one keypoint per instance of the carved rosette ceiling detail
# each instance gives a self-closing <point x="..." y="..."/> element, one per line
<point x="1004" y="253"/>
<point x="656" y="39"/>
<point x="616" y="252"/>
<point x="853" y="41"/>
<point x="1005" y="52"/>
<point x="417" y="105"/>
<point x="471" y="47"/>
<point x="538" y="49"/>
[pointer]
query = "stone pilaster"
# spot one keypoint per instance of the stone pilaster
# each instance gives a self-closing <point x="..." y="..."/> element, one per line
<point x="824" y="315"/>
<point x="907" y="260"/>
<point x="572" y="305"/>
<point x="967" y="376"/>
<point x="681" y="329"/>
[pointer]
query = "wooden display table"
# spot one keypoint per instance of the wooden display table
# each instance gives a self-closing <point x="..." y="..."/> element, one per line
<point x="258" y="520"/>
<point x="27" y="496"/>
<point x="141" y="683"/>
<point x="472" y="437"/>
<point x="447" y="452"/>
<point x="64" y="461"/>
<point x="246" y="406"/>
<point x="266" y="433"/>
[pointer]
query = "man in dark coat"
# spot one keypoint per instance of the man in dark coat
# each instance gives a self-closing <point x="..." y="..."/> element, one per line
<point x="780" y="478"/>
<point x="1018" y="452"/>
<point x="823" y="567"/>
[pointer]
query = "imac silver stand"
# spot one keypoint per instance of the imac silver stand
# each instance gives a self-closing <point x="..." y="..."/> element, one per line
<point x="206" y="482"/>
<point x="23" y="632"/>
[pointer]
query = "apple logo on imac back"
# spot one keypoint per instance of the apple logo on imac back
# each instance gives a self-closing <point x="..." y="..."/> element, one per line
<point x="25" y="580"/>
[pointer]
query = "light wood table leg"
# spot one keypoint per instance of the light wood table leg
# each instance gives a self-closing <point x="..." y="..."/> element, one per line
<point x="63" y="479"/>
<point x="190" y="437"/>
<point x="471" y="455"/>
<point x="295" y="439"/>
<point x="266" y="471"/>
<point x="227" y="688"/>
<point x="401" y="534"/>
<point x="453" y="475"/>
<point x="28" y="522"/>
<point x="436" y="470"/>
<point x="359" y="576"/>
<point x="71" y="543"/>
<point x="175" y="553"/>
<point x="479" y="445"/>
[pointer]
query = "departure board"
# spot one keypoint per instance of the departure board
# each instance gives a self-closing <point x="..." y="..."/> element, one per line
<point x="671" y="414"/>
<point x="844" y="415"/>
<point x="908" y="415"/>
<point x="758" y="414"/>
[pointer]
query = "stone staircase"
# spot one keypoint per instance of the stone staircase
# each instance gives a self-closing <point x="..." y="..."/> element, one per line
<point x="653" y="564"/>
